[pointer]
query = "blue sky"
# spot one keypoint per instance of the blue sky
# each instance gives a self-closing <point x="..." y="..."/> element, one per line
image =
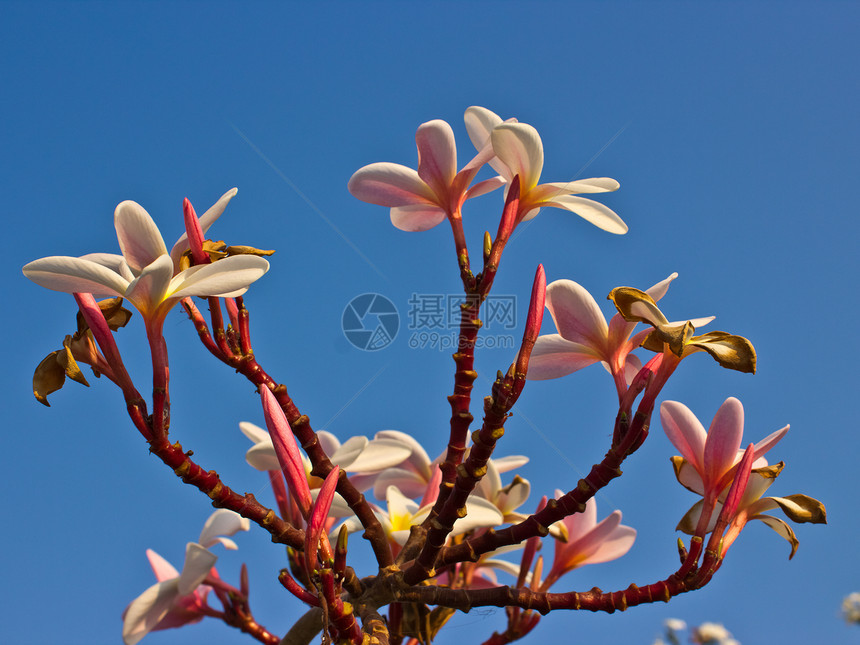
<point x="732" y="129"/>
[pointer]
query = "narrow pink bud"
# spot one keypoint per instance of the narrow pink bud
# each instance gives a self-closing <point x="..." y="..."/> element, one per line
<point x="533" y="322"/>
<point x="318" y="516"/>
<point x="509" y="214"/>
<point x="287" y="450"/>
<point x="95" y="319"/>
<point x="733" y="498"/>
<point x="195" y="233"/>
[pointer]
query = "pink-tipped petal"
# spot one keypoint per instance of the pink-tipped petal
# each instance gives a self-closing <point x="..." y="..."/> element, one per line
<point x="390" y="184"/>
<point x="659" y="290"/>
<point x="139" y="238"/>
<point x="162" y="569"/>
<point x="723" y="441"/>
<point x="769" y="441"/>
<point x="684" y="431"/>
<point x="417" y="217"/>
<point x="576" y="315"/>
<point x="617" y="544"/>
<point x="553" y="357"/>
<point x="437" y="156"/>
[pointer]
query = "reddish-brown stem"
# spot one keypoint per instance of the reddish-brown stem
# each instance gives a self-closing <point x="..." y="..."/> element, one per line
<point x="200" y="325"/>
<point x="537" y="525"/>
<point x="160" y="379"/>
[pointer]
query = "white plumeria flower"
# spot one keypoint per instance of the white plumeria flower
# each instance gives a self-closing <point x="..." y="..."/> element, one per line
<point x="358" y="456"/>
<point x="507" y="499"/>
<point x="404" y="513"/>
<point x="146" y="274"/>
<point x="413" y="475"/>
<point x="518" y="150"/>
<point x="180" y="598"/>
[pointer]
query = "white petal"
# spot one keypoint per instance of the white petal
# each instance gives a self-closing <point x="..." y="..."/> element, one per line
<point x="198" y="562"/>
<point x="480" y="122"/>
<point x="328" y="442"/>
<point x="601" y="216"/>
<point x="408" y="481"/>
<point x="162" y="569"/>
<point x="349" y="451"/>
<point x="145" y="611"/>
<point x="254" y="433"/>
<point x="262" y="456"/>
<point x="479" y="514"/>
<point x="380" y="454"/>
<point x="139" y="238"/>
<point x="222" y="522"/>
<point x="75" y="275"/>
<point x="218" y="278"/>
<point x="518" y="146"/>
<point x="659" y="290"/>
<point x="398" y="504"/>
<point x="419" y="459"/>
<point x="149" y="289"/>
<point x="577" y="186"/>
<point x="506" y="464"/>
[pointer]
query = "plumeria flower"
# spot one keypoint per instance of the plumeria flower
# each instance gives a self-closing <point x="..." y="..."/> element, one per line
<point x="146" y="274"/>
<point x="752" y="506"/>
<point x="588" y="541"/>
<point x="585" y="338"/>
<point x="413" y="475"/>
<point x="179" y="599"/>
<point x="518" y="150"/>
<point x="708" y="461"/>
<point x="419" y="200"/>
<point x="508" y="498"/>
<point x="403" y="513"/>
<point x="357" y="456"/>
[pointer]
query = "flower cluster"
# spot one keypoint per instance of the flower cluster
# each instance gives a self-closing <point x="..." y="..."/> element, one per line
<point x="441" y="529"/>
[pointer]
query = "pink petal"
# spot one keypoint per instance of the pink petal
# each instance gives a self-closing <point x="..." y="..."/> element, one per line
<point x="417" y="217"/>
<point x="139" y="238"/>
<point x="685" y="432"/>
<point x="577" y="316"/>
<point x="162" y="569"/>
<point x="723" y="442"/>
<point x="553" y="357"/>
<point x="769" y="441"/>
<point x="286" y="449"/>
<point x="390" y="184"/>
<point x="437" y="156"/>
<point x="617" y="544"/>
<point x="319" y="515"/>
<point x="580" y="524"/>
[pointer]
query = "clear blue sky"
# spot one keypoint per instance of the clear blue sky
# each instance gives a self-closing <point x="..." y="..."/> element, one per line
<point x="732" y="128"/>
